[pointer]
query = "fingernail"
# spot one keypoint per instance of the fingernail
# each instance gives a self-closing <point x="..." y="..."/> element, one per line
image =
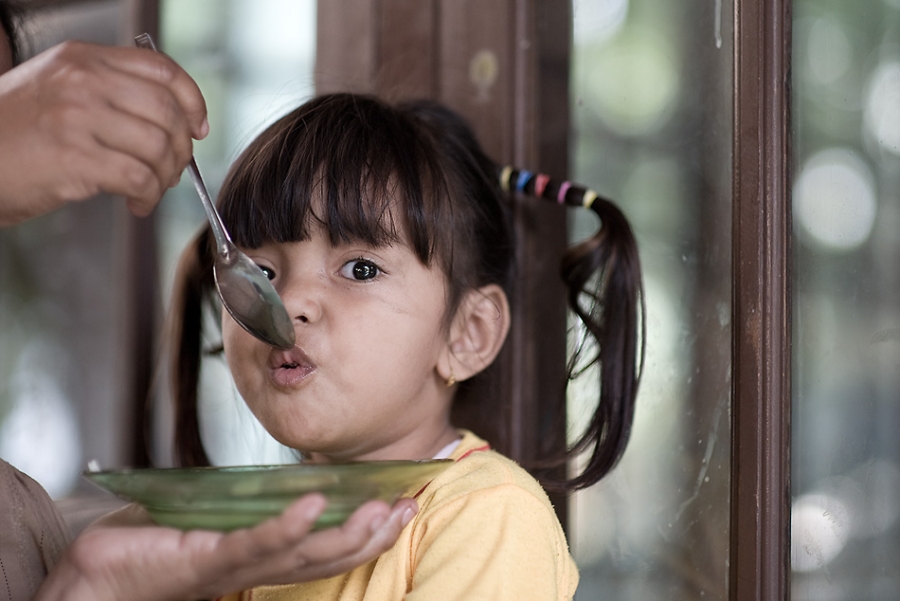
<point x="407" y="516"/>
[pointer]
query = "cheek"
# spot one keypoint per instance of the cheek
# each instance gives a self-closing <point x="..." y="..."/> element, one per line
<point x="412" y="347"/>
<point x="236" y="343"/>
<point x="228" y="334"/>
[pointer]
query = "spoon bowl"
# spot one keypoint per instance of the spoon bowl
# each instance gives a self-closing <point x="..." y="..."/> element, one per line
<point x="245" y="291"/>
<point x="251" y="299"/>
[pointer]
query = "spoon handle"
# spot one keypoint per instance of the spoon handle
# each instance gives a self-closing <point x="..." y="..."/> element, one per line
<point x="223" y="240"/>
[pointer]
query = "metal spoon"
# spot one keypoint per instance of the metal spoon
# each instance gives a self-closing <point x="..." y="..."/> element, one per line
<point x="246" y="292"/>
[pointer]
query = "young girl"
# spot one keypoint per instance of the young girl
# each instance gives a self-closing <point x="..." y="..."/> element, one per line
<point x="386" y="231"/>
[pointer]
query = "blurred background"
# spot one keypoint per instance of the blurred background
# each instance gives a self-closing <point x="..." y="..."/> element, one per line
<point x="846" y="198"/>
<point x="650" y="125"/>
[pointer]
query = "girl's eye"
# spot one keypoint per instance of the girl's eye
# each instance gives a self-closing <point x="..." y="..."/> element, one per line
<point x="270" y="273"/>
<point x="360" y="270"/>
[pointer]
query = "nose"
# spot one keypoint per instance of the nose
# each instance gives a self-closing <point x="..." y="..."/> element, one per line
<point x="302" y="297"/>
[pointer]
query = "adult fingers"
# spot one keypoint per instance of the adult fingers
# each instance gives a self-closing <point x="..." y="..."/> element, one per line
<point x="92" y="96"/>
<point x="402" y="513"/>
<point x="370" y="531"/>
<point x="147" y="102"/>
<point x="382" y="535"/>
<point x="142" y="148"/>
<point x="163" y="152"/>
<point x="256" y="556"/>
<point x="284" y="550"/>
<point x="350" y="538"/>
<point x="101" y="169"/>
<point x="276" y="535"/>
<point x="158" y="68"/>
<point x="112" y="73"/>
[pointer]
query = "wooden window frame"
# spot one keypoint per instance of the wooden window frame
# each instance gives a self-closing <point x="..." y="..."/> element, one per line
<point x="761" y="276"/>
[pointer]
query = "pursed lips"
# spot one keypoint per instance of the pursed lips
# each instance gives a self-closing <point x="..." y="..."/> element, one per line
<point x="290" y="367"/>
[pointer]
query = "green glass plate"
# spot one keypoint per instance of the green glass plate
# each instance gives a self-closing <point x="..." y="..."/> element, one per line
<point x="226" y="498"/>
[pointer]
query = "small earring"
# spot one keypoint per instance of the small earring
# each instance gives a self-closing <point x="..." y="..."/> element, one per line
<point x="452" y="379"/>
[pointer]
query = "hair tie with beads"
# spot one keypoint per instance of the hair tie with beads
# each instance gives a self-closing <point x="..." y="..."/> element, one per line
<point x="543" y="186"/>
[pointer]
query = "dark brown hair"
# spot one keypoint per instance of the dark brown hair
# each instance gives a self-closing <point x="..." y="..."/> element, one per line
<point x="419" y="164"/>
<point x="10" y="15"/>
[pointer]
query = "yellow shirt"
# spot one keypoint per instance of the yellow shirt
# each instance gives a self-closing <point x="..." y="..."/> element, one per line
<point x="485" y="530"/>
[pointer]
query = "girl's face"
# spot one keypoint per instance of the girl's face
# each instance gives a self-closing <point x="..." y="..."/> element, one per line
<point x="361" y="382"/>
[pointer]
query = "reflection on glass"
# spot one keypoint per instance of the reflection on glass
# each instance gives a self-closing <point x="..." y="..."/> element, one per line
<point x="846" y="406"/>
<point x="652" y="129"/>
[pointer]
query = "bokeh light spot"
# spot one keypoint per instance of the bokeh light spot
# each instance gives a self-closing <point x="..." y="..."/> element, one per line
<point x="882" y="108"/>
<point x="834" y="199"/>
<point x="820" y="527"/>
<point x="598" y="20"/>
<point x="634" y="84"/>
<point x="828" y="50"/>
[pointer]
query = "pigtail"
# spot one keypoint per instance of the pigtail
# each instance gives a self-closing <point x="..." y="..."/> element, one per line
<point x="603" y="278"/>
<point x="193" y="286"/>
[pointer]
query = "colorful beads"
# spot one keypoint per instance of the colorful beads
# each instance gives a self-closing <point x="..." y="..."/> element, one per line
<point x="524" y="176"/>
<point x="563" y="189"/>
<point x="540" y="184"/>
<point x="543" y="183"/>
<point x="504" y="178"/>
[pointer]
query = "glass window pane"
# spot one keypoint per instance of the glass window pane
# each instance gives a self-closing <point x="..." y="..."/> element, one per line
<point x="846" y="213"/>
<point x="652" y="122"/>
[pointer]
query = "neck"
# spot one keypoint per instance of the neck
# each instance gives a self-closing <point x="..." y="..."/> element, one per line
<point x="409" y="449"/>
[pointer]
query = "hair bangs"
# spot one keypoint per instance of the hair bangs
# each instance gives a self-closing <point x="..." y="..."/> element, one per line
<point x="353" y="165"/>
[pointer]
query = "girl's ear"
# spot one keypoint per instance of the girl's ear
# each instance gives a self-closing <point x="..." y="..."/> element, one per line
<point x="476" y="334"/>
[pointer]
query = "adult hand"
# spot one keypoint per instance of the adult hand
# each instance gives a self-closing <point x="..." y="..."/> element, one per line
<point x="122" y="557"/>
<point x="80" y="119"/>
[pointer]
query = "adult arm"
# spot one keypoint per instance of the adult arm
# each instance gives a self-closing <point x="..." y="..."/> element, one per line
<point x="121" y="557"/>
<point x="80" y="119"/>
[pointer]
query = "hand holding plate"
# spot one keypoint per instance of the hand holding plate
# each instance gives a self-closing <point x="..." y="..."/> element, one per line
<point x="123" y="556"/>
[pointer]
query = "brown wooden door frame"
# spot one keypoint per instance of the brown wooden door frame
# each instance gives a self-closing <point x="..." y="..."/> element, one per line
<point x="761" y="276"/>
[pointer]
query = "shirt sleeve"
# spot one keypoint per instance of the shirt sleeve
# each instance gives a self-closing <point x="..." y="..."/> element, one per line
<point x="500" y="543"/>
<point x="33" y="534"/>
